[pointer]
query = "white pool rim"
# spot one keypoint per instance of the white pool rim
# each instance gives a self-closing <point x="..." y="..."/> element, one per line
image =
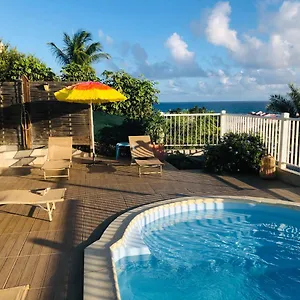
<point x="122" y="238"/>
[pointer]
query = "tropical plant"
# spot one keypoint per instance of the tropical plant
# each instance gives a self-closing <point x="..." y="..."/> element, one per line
<point x="193" y="110"/>
<point x="155" y="126"/>
<point x="109" y="136"/>
<point x="289" y="103"/>
<point x="192" y="129"/>
<point x="14" y="64"/>
<point x="75" y="72"/>
<point x="78" y="49"/>
<point x="235" y="153"/>
<point x="141" y="95"/>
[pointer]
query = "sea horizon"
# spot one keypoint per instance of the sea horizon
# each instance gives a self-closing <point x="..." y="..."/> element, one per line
<point x="234" y="106"/>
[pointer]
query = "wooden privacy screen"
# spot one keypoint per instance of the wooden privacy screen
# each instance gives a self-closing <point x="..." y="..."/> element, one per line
<point x="10" y="113"/>
<point x="29" y="114"/>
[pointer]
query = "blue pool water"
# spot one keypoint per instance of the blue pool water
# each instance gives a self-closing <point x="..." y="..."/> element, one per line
<point x="251" y="252"/>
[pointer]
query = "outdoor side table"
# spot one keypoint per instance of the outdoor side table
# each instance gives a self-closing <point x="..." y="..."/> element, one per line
<point x="122" y="144"/>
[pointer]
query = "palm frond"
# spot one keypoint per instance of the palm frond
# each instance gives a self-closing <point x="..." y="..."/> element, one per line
<point x="99" y="56"/>
<point x="80" y="57"/>
<point x="280" y="104"/>
<point x="295" y="97"/>
<point x="81" y="37"/>
<point x="61" y="57"/>
<point x="67" y="40"/>
<point x="93" y="48"/>
<point x="78" y="49"/>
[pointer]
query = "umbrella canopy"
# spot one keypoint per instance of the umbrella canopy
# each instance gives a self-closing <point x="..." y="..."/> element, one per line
<point x="89" y="92"/>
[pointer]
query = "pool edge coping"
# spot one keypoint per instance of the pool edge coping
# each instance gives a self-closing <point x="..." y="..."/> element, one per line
<point x="100" y="278"/>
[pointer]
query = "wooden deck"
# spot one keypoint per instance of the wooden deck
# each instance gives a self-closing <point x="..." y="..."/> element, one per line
<point x="49" y="255"/>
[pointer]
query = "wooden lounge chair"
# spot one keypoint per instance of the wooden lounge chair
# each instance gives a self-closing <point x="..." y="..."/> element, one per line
<point x="59" y="157"/>
<point x="45" y="198"/>
<point x="143" y="155"/>
<point x="14" y="293"/>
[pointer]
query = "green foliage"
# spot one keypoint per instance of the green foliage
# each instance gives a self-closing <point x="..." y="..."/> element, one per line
<point x="235" y="153"/>
<point x="155" y="126"/>
<point x="140" y="117"/>
<point x="289" y="103"/>
<point x="76" y="72"/>
<point x="141" y="95"/>
<point x="14" y="64"/>
<point x="78" y="49"/>
<point x="109" y="136"/>
<point x="192" y="130"/>
<point x="193" y="110"/>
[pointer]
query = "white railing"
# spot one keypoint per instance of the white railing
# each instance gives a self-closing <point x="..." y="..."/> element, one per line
<point x="191" y="130"/>
<point x="293" y="156"/>
<point x="267" y="128"/>
<point x="281" y="134"/>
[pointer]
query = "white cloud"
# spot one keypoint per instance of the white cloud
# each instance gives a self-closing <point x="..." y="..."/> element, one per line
<point x="164" y="69"/>
<point x="224" y="80"/>
<point x="109" y="40"/>
<point x="179" y="49"/>
<point x="218" y="31"/>
<point x="174" y="86"/>
<point x="100" y="33"/>
<point x="281" y="50"/>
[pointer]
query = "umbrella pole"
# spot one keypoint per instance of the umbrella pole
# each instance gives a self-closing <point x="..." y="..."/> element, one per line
<point x="92" y="131"/>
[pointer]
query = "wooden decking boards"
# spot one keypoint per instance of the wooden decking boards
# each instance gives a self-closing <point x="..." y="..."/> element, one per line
<point x="49" y="255"/>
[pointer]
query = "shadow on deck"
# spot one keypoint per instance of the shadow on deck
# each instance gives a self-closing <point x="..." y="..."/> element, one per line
<point x="49" y="255"/>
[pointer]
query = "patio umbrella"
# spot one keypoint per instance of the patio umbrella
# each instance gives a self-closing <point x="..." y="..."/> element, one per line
<point x="89" y="93"/>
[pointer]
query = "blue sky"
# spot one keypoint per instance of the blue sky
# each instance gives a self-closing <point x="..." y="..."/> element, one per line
<point x="203" y="50"/>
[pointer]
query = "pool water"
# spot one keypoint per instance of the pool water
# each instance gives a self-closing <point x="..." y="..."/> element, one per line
<point x="241" y="252"/>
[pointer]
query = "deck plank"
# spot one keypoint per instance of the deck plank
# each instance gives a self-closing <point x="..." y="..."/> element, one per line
<point x="49" y="255"/>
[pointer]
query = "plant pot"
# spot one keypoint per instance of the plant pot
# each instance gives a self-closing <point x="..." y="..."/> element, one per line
<point x="159" y="151"/>
<point x="268" y="167"/>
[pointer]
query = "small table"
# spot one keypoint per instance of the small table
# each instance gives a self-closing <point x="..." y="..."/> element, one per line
<point x="122" y="144"/>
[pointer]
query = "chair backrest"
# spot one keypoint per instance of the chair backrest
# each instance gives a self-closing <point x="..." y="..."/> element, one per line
<point x="60" y="148"/>
<point x="140" y="146"/>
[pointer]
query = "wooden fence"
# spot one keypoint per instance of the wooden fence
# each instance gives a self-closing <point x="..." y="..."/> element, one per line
<point x="29" y="114"/>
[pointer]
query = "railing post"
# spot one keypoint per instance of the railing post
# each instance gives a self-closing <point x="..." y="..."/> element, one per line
<point x="223" y="128"/>
<point x="162" y="132"/>
<point x="284" y="140"/>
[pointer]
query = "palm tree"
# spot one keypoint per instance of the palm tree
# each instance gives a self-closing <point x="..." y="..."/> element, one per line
<point x="78" y="49"/>
<point x="290" y="103"/>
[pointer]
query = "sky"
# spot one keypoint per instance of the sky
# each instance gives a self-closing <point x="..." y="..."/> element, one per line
<point x="197" y="50"/>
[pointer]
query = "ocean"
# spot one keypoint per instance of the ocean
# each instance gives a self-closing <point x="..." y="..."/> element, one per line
<point x="234" y="107"/>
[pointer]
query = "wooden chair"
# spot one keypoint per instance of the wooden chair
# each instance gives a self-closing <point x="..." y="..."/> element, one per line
<point x="142" y="154"/>
<point x="59" y="157"/>
<point x="45" y="198"/>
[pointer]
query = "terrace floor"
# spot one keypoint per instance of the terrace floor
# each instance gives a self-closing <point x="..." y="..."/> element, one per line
<point x="49" y="255"/>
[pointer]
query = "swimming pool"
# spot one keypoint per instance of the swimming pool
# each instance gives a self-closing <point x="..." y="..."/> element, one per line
<point x="232" y="250"/>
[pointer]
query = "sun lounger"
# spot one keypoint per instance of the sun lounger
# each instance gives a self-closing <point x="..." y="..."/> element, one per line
<point x="59" y="157"/>
<point x="143" y="155"/>
<point x="14" y="293"/>
<point x="45" y="198"/>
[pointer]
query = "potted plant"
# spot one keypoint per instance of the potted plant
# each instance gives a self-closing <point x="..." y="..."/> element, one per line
<point x="155" y="128"/>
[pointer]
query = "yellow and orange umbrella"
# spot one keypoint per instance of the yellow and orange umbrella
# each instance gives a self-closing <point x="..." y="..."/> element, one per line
<point x="89" y="93"/>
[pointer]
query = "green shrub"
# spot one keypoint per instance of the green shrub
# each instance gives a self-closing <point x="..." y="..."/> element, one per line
<point x="235" y="153"/>
<point x="155" y="126"/>
<point x="141" y="94"/>
<point x="108" y="137"/>
<point x="76" y="72"/>
<point x="14" y="64"/>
